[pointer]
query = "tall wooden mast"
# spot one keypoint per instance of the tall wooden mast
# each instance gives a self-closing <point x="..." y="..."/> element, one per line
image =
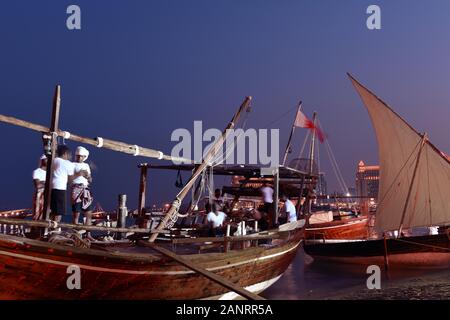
<point x="288" y="146"/>
<point x="173" y="211"/>
<point x="54" y="127"/>
<point x="313" y="144"/>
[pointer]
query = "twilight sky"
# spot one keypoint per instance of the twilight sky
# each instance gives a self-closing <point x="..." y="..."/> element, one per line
<point x="137" y="70"/>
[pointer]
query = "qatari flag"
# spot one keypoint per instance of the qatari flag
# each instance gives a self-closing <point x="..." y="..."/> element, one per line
<point x="301" y="121"/>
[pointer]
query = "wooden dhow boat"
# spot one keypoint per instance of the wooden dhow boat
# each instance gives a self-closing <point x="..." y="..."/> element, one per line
<point x="414" y="192"/>
<point x="352" y="228"/>
<point x="148" y="267"/>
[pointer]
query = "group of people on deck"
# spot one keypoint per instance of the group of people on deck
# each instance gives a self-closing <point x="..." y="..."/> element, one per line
<point x="65" y="173"/>
<point x="216" y="218"/>
<point x="266" y="211"/>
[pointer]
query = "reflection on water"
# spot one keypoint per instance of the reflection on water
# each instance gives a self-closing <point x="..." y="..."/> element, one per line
<point x="308" y="279"/>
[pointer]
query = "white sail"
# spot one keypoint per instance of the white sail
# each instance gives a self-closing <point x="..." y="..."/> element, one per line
<point x="398" y="151"/>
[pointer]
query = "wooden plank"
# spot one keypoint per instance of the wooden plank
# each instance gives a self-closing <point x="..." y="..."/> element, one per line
<point x="229" y="239"/>
<point x="208" y="274"/>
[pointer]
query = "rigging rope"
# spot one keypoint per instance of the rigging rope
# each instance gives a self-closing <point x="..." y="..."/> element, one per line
<point x="398" y="175"/>
<point x="280" y="117"/>
<point x="304" y="144"/>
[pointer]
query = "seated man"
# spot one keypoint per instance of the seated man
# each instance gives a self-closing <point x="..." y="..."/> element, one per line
<point x="215" y="220"/>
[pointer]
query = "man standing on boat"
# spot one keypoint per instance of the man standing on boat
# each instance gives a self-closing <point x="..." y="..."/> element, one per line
<point x="81" y="194"/>
<point x="267" y="197"/>
<point x="63" y="170"/>
<point x="290" y="213"/>
<point x="39" y="185"/>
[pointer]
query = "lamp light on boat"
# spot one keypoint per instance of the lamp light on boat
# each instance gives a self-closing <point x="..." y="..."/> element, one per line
<point x="348" y="194"/>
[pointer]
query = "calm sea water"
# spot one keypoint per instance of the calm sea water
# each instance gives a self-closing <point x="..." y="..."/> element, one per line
<point x="307" y="279"/>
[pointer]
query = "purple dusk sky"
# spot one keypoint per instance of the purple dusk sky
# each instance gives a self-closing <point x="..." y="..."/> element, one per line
<point x="137" y="70"/>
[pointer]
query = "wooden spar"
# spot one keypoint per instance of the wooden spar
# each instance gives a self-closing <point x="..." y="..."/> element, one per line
<point x="195" y="194"/>
<point x="208" y="157"/>
<point x="46" y="224"/>
<point x="142" y="189"/>
<point x="408" y="196"/>
<point x="54" y="127"/>
<point x="288" y="146"/>
<point x="208" y="274"/>
<point x="97" y="142"/>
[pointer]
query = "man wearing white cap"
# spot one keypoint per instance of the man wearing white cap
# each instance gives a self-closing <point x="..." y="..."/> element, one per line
<point x="81" y="194"/>
<point x="39" y="176"/>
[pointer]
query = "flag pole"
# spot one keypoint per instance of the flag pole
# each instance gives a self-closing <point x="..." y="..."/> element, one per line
<point x="288" y="146"/>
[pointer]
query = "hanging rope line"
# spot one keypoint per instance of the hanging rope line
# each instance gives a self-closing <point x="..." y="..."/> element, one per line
<point x="280" y="117"/>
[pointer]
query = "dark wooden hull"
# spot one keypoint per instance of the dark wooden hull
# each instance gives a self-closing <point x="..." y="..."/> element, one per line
<point x="344" y="229"/>
<point x="418" y="251"/>
<point x="32" y="269"/>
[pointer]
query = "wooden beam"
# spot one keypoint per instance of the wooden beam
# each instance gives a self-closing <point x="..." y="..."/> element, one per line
<point x="208" y="274"/>
<point x="97" y="142"/>
<point x="54" y="126"/>
<point x="228" y="239"/>
<point x="46" y="224"/>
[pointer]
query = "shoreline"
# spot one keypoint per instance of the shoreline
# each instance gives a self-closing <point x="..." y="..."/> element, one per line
<point x="435" y="286"/>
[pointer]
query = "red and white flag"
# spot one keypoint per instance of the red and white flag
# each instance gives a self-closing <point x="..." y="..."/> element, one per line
<point x="301" y="121"/>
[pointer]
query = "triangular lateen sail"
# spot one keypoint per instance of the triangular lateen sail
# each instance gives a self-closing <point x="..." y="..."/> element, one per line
<point x="398" y="149"/>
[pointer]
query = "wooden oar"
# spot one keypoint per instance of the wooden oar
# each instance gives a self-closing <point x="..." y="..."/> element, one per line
<point x="208" y="274"/>
<point x="97" y="142"/>
<point x="198" y="170"/>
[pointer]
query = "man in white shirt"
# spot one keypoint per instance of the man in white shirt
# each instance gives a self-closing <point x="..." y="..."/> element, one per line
<point x="289" y="209"/>
<point x="216" y="219"/>
<point x="267" y="197"/>
<point x="81" y="194"/>
<point x="63" y="170"/>
<point x="39" y="177"/>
